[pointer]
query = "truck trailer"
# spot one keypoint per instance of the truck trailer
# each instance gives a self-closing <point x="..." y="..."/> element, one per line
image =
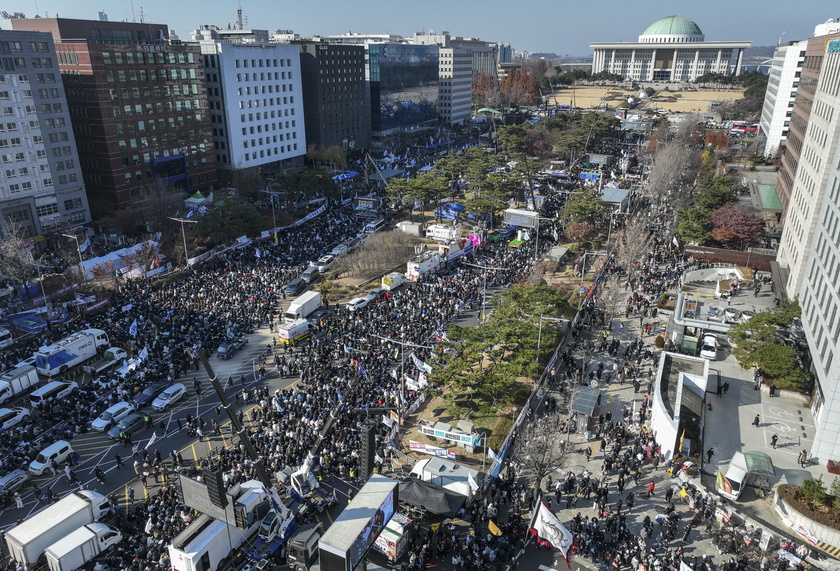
<point x="17" y="381"/>
<point x="28" y="540"/>
<point x="81" y="546"/>
<point x="303" y="306"/>
<point x="292" y="331"/>
<point x="56" y="359"/>
<point x="111" y="357"/>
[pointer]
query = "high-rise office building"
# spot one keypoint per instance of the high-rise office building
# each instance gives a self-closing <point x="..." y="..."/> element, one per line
<point x="139" y="109"/>
<point x="782" y="85"/>
<point x="255" y="98"/>
<point x="811" y="244"/>
<point x="455" y="89"/>
<point x="336" y="104"/>
<point x="41" y="187"/>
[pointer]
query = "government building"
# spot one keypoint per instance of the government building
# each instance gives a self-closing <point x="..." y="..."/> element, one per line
<point x="671" y="49"/>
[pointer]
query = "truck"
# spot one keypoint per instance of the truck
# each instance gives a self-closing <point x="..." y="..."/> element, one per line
<point x="81" y="546"/>
<point x="6" y="338"/>
<point x="207" y="542"/>
<point x="28" y="540"/>
<point x="16" y="381"/>
<point x="443" y="232"/>
<point x="111" y="357"/>
<point x="57" y="358"/>
<point x="393" y="540"/>
<point x="292" y="331"/>
<point x="424" y="263"/>
<point x="303" y="306"/>
<point x="302" y="548"/>
<point x="392" y="281"/>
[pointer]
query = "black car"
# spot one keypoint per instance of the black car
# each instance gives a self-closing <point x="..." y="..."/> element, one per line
<point x="147" y="395"/>
<point x="295" y="287"/>
<point x="131" y="424"/>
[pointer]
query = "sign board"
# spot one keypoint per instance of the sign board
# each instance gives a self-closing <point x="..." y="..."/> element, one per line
<point x="367" y="204"/>
<point x="452" y="436"/>
<point x="433" y="450"/>
<point x="522" y="218"/>
<point x="596" y="159"/>
<point x="589" y="176"/>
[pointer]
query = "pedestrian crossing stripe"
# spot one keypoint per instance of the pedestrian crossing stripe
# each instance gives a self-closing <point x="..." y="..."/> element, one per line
<point x="699" y="295"/>
<point x="830" y="549"/>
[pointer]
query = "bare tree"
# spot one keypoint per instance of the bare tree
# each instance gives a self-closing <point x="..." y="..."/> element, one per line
<point x="541" y="447"/>
<point x="609" y="294"/>
<point x="633" y="243"/>
<point x="16" y="254"/>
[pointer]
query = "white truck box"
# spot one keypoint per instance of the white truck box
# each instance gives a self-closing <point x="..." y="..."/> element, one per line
<point x="443" y="232"/>
<point x="81" y="546"/>
<point x="302" y="306"/>
<point x="16" y="381"/>
<point x="28" y="540"/>
<point x="57" y="358"/>
<point x="392" y="281"/>
<point x="423" y="264"/>
<point x="206" y="536"/>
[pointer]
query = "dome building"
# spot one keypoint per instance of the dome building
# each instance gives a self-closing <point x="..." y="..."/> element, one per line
<point x="670" y="49"/>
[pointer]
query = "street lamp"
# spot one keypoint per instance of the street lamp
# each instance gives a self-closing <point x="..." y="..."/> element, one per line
<point x="484" y="288"/>
<point x="609" y="232"/>
<point x="184" y="236"/>
<point x="79" y="250"/>
<point x="273" y="215"/>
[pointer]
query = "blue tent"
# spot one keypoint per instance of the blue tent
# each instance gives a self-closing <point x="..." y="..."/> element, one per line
<point x="345" y="175"/>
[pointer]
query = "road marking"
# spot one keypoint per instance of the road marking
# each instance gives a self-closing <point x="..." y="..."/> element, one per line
<point x="546" y="568"/>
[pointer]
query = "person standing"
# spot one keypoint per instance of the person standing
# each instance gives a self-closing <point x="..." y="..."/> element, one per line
<point x="18" y="500"/>
<point x="773" y="440"/>
<point x="803" y="458"/>
<point x="650" y="487"/>
<point x="709" y="453"/>
<point x="757" y="421"/>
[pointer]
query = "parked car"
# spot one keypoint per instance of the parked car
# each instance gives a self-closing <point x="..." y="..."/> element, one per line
<point x="131" y="425"/>
<point x="375" y="294"/>
<point x="709" y="348"/>
<point x="310" y="275"/>
<point x="14" y="481"/>
<point x="112" y="415"/>
<point x="228" y="348"/>
<point x="325" y="263"/>
<point x="357" y="303"/>
<point x="295" y="287"/>
<point x="149" y="394"/>
<point x="169" y="396"/>
<point x="10" y="417"/>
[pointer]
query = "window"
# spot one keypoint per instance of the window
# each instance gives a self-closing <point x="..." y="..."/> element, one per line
<point x="46" y="210"/>
<point x="73" y="204"/>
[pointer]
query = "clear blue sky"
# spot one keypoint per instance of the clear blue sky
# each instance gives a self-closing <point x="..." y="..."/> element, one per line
<point x="563" y="27"/>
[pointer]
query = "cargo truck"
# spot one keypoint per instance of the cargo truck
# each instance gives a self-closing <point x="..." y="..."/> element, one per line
<point x="81" y="546"/>
<point x="443" y="232"/>
<point x="423" y="264"/>
<point x="56" y="359"/>
<point x="302" y="306"/>
<point x="28" y="540"/>
<point x="17" y="381"/>
<point x="292" y="331"/>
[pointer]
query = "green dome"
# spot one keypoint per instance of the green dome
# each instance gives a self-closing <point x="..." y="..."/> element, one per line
<point x="673" y="26"/>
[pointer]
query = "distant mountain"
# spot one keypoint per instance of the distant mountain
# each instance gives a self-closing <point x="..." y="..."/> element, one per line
<point x="759" y="51"/>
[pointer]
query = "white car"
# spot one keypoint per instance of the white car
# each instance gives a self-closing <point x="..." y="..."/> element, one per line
<point x="709" y="349"/>
<point x="9" y="417"/>
<point x="111" y="416"/>
<point x="169" y="396"/>
<point x="325" y="263"/>
<point x="357" y="303"/>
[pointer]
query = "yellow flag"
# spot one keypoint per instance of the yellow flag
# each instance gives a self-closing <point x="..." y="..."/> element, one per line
<point x="679" y="450"/>
<point x="494" y="529"/>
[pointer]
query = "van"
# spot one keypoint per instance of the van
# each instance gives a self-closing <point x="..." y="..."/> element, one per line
<point x="6" y="338"/>
<point x="56" y="390"/>
<point x="374" y="226"/>
<point x="43" y="462"/>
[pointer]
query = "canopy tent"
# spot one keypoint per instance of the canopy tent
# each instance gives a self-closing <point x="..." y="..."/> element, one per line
<point x="345" y="176"/>
<point x="488" y="110"/>
<point x="430" y="497"/>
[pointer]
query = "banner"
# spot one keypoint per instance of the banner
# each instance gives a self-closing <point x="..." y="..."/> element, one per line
<point x="306" y="218"/>
<point x="433" y="450"/>
<point x="453" y="435"/>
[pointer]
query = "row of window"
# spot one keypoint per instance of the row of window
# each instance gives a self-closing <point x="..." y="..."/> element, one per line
<point x="263" y="63"/>
<point x="254" y="103"/>
<point x="268" y="152"/>
<point x="263" y="76"/>
<point x="268" y="140"/>
<point x="141" y="58"/>
<point x="158" y="108"/>
<point x="153" y="74"/>
<point x="162" y="140"/>
<point x="262" y="89"/>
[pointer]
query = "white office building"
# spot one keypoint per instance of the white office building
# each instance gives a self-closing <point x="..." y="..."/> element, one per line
<point x="670" y="49"/>
<point x="256" y="101"/>
<point x="41" y="188"/>
<point x="455" y="90"/>
<point x="782" y="84"/>
<point x="810" y="250"/>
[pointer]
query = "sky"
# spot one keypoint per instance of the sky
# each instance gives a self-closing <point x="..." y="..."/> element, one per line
<point x="564" y="27"/>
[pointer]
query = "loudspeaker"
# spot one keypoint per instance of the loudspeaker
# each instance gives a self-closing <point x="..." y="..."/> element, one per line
<point x="215" y="488"/>
<point x="368" y="451"/>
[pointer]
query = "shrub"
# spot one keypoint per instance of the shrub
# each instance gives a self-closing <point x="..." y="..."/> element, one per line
<point x="813" y="492"/>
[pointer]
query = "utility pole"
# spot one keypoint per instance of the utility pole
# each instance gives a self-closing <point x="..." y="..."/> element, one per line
<point x="483" y="316"/>
<point x="273" y="214"/>
<point x="403" y="344"/>
<point x="184" y="236"/>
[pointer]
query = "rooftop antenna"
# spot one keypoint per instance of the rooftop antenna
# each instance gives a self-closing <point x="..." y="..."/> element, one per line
<point x="142" y="20"/>
<point x="780" y="38"/>
<point x="239" y="17"/>
<point x="133" y="17"/>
